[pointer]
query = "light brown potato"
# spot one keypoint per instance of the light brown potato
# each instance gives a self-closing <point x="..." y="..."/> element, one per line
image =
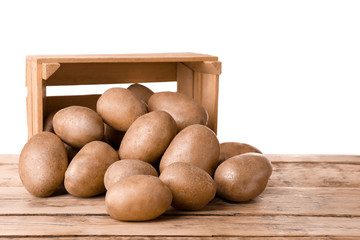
<point x="196" y="144"/>
<point x="126" y="168"/>
<point x="192" y="188"/>
<point x="138" y="198"/>
<point x="113" y="137"/>
<point x="243" y="177"/>
<point x="231" y="149"/>
<point x="48" y="122"/>
<point x="85" y="174"/>
<point x="120" y="108"/>
<point x="186" y="111"/>
<point x="42" y="164"/>
<point x="148" y="137"/>
<point x="78" y="125"/>
<point x="141" y="92"/>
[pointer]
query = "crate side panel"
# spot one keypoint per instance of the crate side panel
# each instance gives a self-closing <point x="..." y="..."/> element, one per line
<point x="110" y="73"/>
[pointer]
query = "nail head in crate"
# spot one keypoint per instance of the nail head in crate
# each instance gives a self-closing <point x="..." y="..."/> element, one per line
<point x="197" y="76"/>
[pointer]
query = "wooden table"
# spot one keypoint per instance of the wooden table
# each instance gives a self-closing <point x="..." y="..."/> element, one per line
<point x="308" y="197"/>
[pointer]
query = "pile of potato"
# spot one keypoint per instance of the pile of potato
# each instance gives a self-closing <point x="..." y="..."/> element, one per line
<point x="152" y="133"/>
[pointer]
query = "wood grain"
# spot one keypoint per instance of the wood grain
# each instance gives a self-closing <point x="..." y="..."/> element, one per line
<point x="185" y="80"/>
<point x="55" y="103"/>
<point x="181" y="226"/>
<point x="49" y="69"/>
<point x="285" y="174"/>
<point x="110" y="73"/>
<point x="315" y="175"/>
<point x="302" y="211"/>
<point x="142" y="57"/>
<point x="343" y="202"/>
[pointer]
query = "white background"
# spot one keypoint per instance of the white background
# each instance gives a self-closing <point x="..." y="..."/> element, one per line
<point x="290" y="68"/>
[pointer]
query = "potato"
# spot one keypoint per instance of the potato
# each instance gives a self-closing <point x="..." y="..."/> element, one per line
<point x="231" y="149"/>
<point x="42" y="164"/>
<point x="148" y="137"/>
<point x="85" y="174"/>
<point x="196" y="144"/>
<point x="242" y="177"/>
<point x="120" y="108"/>
<point x="138" y="198"/>
<point x="141" y="92"/>
<point x="126" y="168"/>
<point x="78" y="125"/>
<point x="112" y="137"/>
<point x="192" y="188"/>
<point x="186" y="111"/>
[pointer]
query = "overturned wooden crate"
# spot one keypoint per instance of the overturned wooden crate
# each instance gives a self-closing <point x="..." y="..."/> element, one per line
<point x="197" y="76"/>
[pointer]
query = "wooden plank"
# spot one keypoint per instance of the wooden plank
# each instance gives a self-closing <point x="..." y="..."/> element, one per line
<point x="37" y="98"/>
<point x="210" y="67"/>
<point x="209" y="98"/>
<point x="289" y="174"/>
<point x="28" y="83"/>
<point x="72" y="225"/>
<point x="339" y="202"/>
<point x="185" y="80"/>
<point x="142" y="57"/>
<point x="55" y="103"/>
<point x="275" y="158"/>
<point x="315" y="175"/>
<point x="313" y="158"/>
<point x="117" y="237"/>
<point x="109" y="73"/>
<point x="198" y="87"/>
<point x="49" y="69"/>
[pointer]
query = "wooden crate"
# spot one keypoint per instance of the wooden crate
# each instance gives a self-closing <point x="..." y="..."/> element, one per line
<point x="197" y="76"/>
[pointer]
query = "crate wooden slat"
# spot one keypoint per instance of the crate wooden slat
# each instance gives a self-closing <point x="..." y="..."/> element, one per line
<point x="309" y="206"/>
<point x="197" y="76"/>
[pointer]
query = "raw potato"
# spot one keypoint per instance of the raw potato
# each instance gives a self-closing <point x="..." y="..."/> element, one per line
<point x="196" y="144"/>
<point x="138" y="198"/>
<point x="126" y="168"/>
<point x="186" y="111"/>
<point x="141" y="92"/>
<point x="120" y="108"/>
<point x="78" y="125"/>
<point x="148" y="137"/>
<point x="231" y="149"/>
<point x="242" y="177"/>
<point x="42" y="164"/>
<point x="112" y="137"/>
<point x="192" y="188"/>
<point x="85" y="174"/>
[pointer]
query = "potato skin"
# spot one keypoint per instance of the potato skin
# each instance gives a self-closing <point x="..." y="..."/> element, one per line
<point x="148" y="137"/>
<point x="77" y="125"/>
<point x="119" y="108"/>
<point x="141" y="92"/>
<point x="196" y="144"/>
<point x="42" y="164"/>
<point x="138" y="198"/>
<point x="186" y="111"/>
<point x="126" y="168"/>
<point x="242" y="177"/>
<point x="231" y="149"/>
<point x="192" y="188"/>
<point x="85" y="174"/>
